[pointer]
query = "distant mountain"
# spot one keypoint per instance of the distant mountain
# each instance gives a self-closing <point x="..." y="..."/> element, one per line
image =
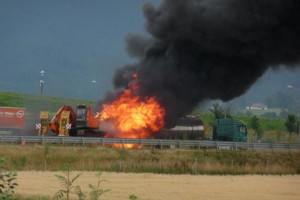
<point x="272" y="82"/>
<point x="267" y="86"/>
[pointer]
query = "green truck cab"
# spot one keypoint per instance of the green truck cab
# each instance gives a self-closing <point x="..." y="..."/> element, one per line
<point x="229" y="130"/>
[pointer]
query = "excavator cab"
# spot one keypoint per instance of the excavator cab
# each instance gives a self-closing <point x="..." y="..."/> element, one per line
<point x="87" y="124"/>
<point x="82" y="122"/>
<point x="81" y="116"/>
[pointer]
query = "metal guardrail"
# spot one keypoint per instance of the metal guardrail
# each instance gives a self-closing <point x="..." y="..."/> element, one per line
<point x="161" y="143"/>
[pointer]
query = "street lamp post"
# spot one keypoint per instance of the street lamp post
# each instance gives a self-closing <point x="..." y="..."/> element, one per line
<point x="42" y="82"/>
<point x="299" y="130"/>
<point x="292" y="87"/>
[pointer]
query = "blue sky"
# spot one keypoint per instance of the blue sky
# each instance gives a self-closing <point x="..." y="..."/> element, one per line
<point x="74" y="42"/>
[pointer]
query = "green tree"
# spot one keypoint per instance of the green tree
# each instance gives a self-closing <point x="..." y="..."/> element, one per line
<point x="283" y="113"/>
<point x="248" y="113"/>
<point x="290" y="123"/>
<point x="220" y="112"/>
<point x="269" y="115"/>
<point x="255" y="124"/>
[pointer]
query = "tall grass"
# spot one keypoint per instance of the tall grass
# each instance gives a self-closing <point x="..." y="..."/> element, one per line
<point x="166" y="161"/>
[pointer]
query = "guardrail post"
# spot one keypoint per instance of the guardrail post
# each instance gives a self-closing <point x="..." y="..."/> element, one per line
<point x="253" y="146"/>
<point x="142" y="144"/>
<point x="216" y="143"/>
<point x="267" y="167"/>
<point x="43" y="140"/>
<point x="83" y="143"/>
<point x="235" y="146"/>
<point x="179" y="144"/>
<point x="272" y="146"/>
<point x="160" y="143"/>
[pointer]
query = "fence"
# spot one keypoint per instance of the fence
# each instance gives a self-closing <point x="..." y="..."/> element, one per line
<point x="160" y="143"/>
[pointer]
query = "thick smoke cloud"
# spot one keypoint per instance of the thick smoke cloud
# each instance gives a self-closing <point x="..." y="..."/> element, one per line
<point x="210" y="49"/>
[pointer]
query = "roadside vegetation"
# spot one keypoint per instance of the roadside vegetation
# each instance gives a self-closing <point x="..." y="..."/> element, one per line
<point x="152" y="160"/>
<point x="282" y="127"/>
<point x="7" y="181"/>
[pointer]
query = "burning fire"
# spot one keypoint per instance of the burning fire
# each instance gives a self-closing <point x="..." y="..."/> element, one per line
<point x="132" y="116"/>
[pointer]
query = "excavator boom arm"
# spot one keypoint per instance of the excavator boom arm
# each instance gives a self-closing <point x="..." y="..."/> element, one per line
<point x="54" y="123"/>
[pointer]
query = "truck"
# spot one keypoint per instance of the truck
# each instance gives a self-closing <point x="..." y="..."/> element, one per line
<point x="81" y="122"/>
<point x="188" y="127"/>
<point x="12" y="120"/>
<point x="229" y="130"/>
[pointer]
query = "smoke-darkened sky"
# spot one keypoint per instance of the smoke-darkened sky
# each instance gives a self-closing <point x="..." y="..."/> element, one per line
<point x="211" y="49"/>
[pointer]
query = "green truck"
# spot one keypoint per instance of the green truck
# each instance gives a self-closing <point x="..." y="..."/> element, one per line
<point x="229" y="130"/>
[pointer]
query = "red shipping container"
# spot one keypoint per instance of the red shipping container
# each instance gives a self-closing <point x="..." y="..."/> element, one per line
<point x="12" y="117"/>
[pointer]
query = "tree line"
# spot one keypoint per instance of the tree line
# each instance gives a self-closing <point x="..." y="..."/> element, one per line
<point x="292" y="124"/>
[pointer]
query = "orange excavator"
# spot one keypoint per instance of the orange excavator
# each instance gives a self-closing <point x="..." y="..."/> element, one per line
<point x="83" y="122"/>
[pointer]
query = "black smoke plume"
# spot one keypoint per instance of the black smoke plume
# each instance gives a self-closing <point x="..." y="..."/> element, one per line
<point x="210" y="49"/>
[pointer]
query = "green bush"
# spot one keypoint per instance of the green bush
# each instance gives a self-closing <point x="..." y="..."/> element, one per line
<point x="7" y="182"/>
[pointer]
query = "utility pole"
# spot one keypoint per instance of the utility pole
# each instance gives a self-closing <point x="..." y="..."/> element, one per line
<point x="299" y="130"/>
<point x="42" y="82"/>
<point x="295" y="88"/>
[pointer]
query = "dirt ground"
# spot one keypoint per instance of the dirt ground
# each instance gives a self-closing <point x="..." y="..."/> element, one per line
<point x="163" y="187"/>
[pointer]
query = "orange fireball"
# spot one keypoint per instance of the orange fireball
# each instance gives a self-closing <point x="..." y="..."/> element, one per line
<point x="132" y="116"/>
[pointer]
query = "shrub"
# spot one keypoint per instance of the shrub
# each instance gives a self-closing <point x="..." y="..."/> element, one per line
<point x="7" y="182"/>
<point x="67" y="183"/>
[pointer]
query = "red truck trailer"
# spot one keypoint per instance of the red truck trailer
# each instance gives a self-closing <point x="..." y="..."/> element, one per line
<point x="12" y="120"/>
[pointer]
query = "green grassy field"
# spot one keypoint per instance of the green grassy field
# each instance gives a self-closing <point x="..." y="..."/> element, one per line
<point x="261" y="112"/>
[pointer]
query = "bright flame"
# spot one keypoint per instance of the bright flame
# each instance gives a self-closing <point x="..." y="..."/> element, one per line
<point x="131" y="116"/>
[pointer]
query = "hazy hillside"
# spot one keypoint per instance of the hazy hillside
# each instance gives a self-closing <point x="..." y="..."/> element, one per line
<point x="34" y="104"/>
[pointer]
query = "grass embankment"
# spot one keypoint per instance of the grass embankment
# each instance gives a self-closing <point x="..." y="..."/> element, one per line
<point x="37" y="103"/>
<point x="169" y="161"/>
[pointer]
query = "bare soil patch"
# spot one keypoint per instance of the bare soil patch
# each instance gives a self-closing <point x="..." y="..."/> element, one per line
<point x="174" y="187"/>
